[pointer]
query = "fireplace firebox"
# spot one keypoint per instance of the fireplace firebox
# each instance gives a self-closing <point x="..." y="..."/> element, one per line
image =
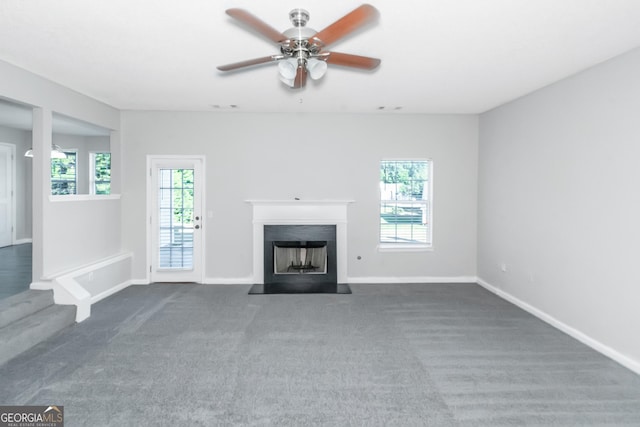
<point x="300" y="259"/>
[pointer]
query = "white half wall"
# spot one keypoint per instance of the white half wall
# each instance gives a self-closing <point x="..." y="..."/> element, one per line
<point x="309" y="156"/>
<point x="559" y="204"/>
<point x="87" y="232"/>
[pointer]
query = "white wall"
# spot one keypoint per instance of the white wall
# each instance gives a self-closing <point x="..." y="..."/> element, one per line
<point x="22" y="140"/>
<point x="280" y="156"/>
<point x="559" y="203"/>
<point x="88" y="231"/>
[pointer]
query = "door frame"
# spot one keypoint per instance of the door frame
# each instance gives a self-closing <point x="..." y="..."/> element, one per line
<point x="12" y="189"/>
<point x="151" y="208"/>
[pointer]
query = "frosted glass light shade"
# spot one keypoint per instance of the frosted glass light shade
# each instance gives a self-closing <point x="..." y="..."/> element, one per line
<point x="316" y="68"/>
<point x="288" y="68"/>
<point x="288" y="82"/>
<point x="56" y="152"/>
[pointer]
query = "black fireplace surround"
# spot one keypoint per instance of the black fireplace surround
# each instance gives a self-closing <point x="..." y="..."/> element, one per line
<point x="300" y="279"/>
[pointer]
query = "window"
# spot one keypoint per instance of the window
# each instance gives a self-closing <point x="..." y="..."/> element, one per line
<point x="63" y="174"/>
<point x="100" y="173"/>
<point x="405" y="203"/>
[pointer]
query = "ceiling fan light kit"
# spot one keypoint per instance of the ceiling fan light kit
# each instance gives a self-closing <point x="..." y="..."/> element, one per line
<point x="301" y="47"/>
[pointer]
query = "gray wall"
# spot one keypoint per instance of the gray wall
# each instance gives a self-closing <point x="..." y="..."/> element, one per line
<point x="559" y="202"/>
<point x="22" y="140"/>
<point x="324" y="156"/>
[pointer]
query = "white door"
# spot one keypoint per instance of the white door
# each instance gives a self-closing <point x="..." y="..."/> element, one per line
<point x="6" y="195"/>
<point x="175" y="218"/>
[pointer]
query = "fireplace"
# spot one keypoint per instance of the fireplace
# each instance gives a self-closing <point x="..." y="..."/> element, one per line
<point x="300" y="259"/>
<point x="300" y="246"/>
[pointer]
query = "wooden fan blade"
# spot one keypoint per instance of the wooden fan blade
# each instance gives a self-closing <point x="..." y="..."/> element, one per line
<point x="249" y="63"/>
<point x="301" y="77"/>
<point x="257" y="24"/>
<point x="355" y="61"/>
<point x="347" y="24"/>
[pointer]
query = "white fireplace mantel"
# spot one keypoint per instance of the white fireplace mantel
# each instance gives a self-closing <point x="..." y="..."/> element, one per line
<point x="308" y="212"/>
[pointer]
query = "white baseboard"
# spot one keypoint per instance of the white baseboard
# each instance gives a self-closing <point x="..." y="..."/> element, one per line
<point x="87" y="268"/>
<point x="207" y="281"/>
<point x="228" y="281"/>
<point x="110" y="291"/>
<point x="22" y="241"/>
<point x="360" y="280"/>
<point x="625" y="361"/>
<point x="427" y="279"/>
<point x="68" y="290"/>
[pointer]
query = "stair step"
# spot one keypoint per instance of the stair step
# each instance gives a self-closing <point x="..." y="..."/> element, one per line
<point x="31" y="330"/>
<point x="23" y="304"/>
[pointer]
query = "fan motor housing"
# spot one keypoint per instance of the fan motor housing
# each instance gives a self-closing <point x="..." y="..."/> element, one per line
<point x="299" y="17"/>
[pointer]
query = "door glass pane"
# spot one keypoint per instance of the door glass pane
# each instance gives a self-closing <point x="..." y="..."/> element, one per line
<point x="175" y="204"/>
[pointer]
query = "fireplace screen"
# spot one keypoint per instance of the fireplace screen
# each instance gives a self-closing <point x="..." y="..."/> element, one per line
<point x="300" y="257"/>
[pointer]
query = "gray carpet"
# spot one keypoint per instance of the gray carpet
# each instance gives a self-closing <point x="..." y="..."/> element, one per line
<point x="387" y="355"/>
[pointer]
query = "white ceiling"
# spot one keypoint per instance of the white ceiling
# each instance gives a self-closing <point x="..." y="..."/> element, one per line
<point x="438" y="56"/>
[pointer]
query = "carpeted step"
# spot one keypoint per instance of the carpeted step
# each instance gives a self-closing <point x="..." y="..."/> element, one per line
<point x="22" y="305"/>
<point x="25" y="333"/>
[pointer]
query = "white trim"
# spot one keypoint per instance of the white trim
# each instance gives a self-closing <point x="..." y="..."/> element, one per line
<point x="299" y="202"/>
<point x="67" y="290"/>
<point x="140" y="282"/>
<point x="87" y="268"/>
<point x="92" y="170"/>
<point x="82" y="197"/>
<point x="403" y="280"/>
<point x="229" y="281"/>
<point x="75" y="175"/>
<point x="404" y="247"/>
<point x="611" y="353"/>
<point x="110" y="291"/>
<point x="312" y="212"/>
<point x="23" y="241"/>
<point x="14" y="184"/>
<point x="13" y="208"/>
<point x="428" y="202"/>
<point x="152" y="161"/>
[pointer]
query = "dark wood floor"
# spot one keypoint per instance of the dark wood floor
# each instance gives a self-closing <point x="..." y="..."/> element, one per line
<point x="15" y="269"/>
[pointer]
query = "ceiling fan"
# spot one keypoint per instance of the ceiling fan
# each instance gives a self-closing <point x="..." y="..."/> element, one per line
<point x="301" y="48"/>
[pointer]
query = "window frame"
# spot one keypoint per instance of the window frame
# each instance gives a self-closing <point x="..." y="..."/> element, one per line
<point x="92" y="172"/>
<point x="67" y="151"/>
<point x="428" y="206"/>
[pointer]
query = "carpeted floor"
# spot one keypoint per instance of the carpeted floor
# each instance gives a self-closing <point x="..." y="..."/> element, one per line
<point x="387" y="355"/>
